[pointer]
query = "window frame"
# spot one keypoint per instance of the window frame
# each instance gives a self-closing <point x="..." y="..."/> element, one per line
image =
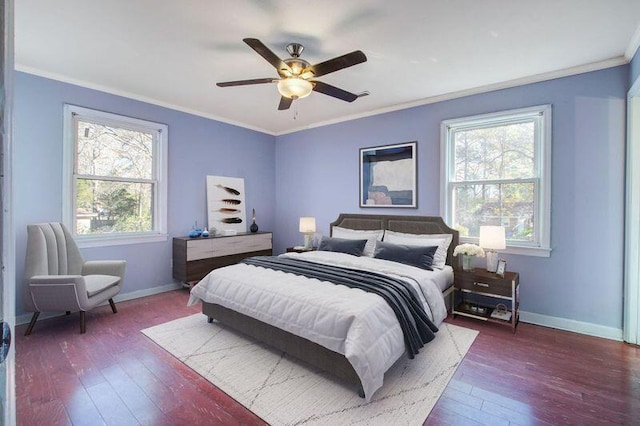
<point x="541" y="114"/>
<point x="72" y="114"/>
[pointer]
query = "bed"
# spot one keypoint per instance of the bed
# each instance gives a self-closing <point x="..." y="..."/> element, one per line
<point x="346" y="358"/>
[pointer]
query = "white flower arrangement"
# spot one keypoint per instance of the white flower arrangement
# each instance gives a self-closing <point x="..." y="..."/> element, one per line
<point x="468" y="250"/>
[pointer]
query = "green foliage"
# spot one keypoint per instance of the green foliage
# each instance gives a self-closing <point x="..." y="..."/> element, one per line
<point x="119" y="202"/>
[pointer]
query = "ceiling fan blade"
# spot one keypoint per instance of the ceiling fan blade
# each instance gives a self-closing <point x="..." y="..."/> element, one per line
<point x="327" y="89"/>
<point x="267" y="54"/>
<point x="285" y="103"/>
<point x="245" y="82"/>
<point x="335" y="64"/>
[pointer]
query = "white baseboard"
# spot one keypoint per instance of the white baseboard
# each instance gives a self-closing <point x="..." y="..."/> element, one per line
<point x="528" y="317"/>
<point x="146" y="292"/>
<point x="587" y="328"/>
<point x="25" y="318"/>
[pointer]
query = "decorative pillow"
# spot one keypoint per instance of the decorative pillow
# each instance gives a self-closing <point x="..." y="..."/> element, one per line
<point x="441" y="240"/>
<point x="422" y="257"/>
<point x="356" y="234"/>
<point x="341" y="245"/>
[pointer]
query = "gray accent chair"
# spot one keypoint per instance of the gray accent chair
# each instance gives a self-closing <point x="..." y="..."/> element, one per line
<point x="58" y="279"/>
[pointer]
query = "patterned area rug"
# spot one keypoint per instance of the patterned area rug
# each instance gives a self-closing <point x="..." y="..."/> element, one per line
<point x="283" y="391"/>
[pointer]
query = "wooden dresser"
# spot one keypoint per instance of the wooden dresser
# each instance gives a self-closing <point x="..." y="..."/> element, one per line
<point x="193" y="258"/>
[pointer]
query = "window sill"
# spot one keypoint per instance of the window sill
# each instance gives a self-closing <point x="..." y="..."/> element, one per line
<point x="113" y="240"/>
<point x="517" y="250"/>
<point x="528" y="251"/>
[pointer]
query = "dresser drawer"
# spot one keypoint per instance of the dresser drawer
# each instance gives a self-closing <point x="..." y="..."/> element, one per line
<point x="242" y="244"/>
<point x="480" y="284"/>
<point x="194" y="258"/>
<point x="199" y="249"/>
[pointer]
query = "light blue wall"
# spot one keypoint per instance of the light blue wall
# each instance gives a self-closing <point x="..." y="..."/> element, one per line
<point x="315" y="172"/>
<point x="197" y="147"/>
<point x="317" y="175"/>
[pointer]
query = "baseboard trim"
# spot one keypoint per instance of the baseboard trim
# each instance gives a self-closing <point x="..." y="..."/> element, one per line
<point x="122" y="297"/>
<point x="580" y="327"/>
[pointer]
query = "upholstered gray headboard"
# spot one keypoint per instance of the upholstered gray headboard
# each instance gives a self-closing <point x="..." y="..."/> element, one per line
<point x="407" y="224"/>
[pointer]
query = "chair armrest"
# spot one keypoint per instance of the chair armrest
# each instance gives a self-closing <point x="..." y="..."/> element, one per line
<point x="58" y="292"/>
<point x="104" y="267"/>
<point x="57" y="279"/>
<point x="52" y="280"/>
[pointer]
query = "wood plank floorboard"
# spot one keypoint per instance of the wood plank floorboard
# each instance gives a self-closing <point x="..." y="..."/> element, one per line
<point x="114" y="375"/>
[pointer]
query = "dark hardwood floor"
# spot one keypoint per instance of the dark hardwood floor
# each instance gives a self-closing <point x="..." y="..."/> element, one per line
<point x="114" y="375"/>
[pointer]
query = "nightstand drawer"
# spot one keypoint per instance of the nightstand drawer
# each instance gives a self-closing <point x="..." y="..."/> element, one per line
<point x="484" y="283"/>
<point x="485" y="286"/>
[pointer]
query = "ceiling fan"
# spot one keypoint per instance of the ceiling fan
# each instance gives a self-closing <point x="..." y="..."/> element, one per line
<point x="297" y="75"/>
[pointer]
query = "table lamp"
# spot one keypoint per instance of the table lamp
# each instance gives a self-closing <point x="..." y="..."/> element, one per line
<point x="492" y="238"/>
<point x="308" y="228"/>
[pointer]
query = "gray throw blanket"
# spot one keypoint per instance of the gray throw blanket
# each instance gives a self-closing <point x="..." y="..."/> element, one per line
<point x="416" y="326"/>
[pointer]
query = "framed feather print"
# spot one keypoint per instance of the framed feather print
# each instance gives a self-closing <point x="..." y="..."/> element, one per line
<point x="388" y="176"/>
<point x="226" y="204"/>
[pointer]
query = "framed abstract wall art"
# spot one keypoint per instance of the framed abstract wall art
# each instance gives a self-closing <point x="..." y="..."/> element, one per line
<point x="388" y="176"/>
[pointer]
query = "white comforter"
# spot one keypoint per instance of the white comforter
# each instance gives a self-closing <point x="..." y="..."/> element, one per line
<point x="352" y="322"/>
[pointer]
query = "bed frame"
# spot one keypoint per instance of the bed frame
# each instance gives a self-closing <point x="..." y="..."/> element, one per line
<point x="306" y="350"/>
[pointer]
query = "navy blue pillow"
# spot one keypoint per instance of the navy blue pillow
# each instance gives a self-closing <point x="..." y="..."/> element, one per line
<point x="341" y="245"/>
<point x="422" y="257"/>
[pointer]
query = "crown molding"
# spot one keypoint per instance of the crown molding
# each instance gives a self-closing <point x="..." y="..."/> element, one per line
<point x="137" y="97"/>
<point x="552" y="75"/>
<point x="634" y="43"/>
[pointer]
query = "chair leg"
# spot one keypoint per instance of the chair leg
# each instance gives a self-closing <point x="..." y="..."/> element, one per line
<point x="113" y="306"/>
<point x="34" y="318"/>
<point x="83" y="325"/>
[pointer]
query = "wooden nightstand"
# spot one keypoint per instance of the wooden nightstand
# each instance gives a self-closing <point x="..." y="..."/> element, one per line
<point x="489" y="289"/>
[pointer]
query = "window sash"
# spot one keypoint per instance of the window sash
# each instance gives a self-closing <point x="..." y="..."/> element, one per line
<point x="452" y="130"/>
<point x="541" y="117"/>
<point x="114" y="179"/>
<point x="118" y="124"/>
<point x="74" y="114"/>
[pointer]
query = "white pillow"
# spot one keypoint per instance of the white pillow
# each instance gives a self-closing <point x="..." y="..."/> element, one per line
<point x="441" y="240"/>
<point x="355" y="234"/>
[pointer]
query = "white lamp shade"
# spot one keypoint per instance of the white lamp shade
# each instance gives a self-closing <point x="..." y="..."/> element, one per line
<point x="492" y="238"/>
<point x="307" y="225"/>
<point x="294" y="88"/>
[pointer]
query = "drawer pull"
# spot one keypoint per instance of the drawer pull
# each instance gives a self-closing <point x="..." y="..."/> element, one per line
<point x="480" y="284"/>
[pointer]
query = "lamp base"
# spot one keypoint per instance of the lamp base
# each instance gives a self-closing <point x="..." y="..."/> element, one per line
<point x="492" y="261"/>
<point x="308" y="246"/>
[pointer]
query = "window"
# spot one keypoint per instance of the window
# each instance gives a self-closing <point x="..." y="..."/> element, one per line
<point x="114" y="178"/>
<point x="496" y="171"/>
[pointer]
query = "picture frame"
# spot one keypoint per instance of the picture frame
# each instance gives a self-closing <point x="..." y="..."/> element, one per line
<point x="226" y="205"/>
<point x="388" y="176"/>
<point x="502" y="266"/>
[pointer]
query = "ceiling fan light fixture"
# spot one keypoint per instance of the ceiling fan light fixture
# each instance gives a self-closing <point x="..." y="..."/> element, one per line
<point x="294" y="88"/>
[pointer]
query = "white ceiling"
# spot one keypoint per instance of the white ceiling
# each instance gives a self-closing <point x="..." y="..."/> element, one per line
<point x="172" y="52"/>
